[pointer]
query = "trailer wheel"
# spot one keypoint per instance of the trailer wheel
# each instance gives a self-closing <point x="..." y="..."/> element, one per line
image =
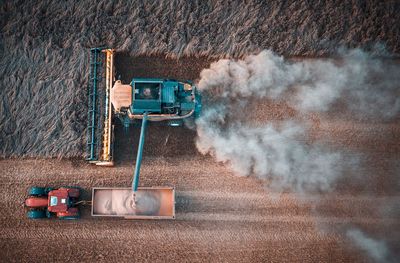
<point x="36" y="214"/>
<point x="37" y="191"/>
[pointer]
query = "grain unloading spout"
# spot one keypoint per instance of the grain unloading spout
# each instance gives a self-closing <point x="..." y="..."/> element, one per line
<point x="135" y="181"/>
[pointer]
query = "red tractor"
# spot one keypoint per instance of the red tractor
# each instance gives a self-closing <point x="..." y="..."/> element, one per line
<point x="47" y="202"/>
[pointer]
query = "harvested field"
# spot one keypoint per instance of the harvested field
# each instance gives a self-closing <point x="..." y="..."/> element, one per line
<point x="220" y="217"/>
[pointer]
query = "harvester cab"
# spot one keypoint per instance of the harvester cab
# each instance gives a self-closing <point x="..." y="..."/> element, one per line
<point x="142" y="100"/>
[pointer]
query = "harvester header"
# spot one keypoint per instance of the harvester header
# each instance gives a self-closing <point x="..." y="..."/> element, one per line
<point x="100" y="127"/>
<point x="166" y="100"/>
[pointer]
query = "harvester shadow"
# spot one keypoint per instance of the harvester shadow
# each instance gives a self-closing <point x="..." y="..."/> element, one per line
<point x="160" y="141"/>
<point x="184" y="68"/>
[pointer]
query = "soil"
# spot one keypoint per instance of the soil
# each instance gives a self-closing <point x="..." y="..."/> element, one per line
<point x="219" y="216"/>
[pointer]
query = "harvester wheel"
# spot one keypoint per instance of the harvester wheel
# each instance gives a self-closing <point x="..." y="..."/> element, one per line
<point x="36" y="214"/>
<point x="37" y="191"/>
<point x="175" y="123"/>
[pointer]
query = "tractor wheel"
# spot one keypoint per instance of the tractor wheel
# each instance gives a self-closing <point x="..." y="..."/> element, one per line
<point x="48" y="190"/>
<point x="37" y="191"/>
<point x="36" y="214"/>
<point x="74" y="187"/>
<point x="71" y="215"/>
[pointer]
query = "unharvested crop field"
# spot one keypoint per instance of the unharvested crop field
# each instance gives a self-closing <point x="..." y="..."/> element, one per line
<point x="347" y="147"/>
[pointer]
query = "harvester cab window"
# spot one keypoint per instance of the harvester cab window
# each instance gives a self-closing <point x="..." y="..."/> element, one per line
<point x="147" y="91"/>
<point x="53" y="201"/>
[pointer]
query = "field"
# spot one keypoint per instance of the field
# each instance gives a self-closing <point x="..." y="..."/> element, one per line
<point x="295" y="160"/>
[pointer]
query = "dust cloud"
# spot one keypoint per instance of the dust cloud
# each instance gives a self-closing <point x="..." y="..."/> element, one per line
<point x="376" y="249"/>
<point x="269" y="151"/>
<point x="366" y="83"/>
<point x="280" y="151"/>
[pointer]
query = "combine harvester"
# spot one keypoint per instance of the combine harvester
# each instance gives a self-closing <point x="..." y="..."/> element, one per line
<point x="142" y="100"/>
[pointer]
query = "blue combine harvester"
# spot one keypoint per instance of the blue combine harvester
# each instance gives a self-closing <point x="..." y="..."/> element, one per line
<point x="144" y="99"/>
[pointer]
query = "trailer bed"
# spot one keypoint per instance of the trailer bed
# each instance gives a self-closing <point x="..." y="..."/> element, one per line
<point x="152" y="203"/>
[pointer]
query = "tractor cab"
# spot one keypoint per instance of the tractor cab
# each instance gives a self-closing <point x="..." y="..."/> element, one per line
<point x="58" y="201"/>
